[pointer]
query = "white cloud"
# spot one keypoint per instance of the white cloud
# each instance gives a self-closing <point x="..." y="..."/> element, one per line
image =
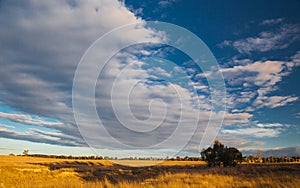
<point x="273" y="101"/>
<point x="259" y="130"/>
<point x="142" y="104"/>
<point x="262" y="74"/>
<point x="267" y="41"/>
<point x="259" y="73"/>
<point x="7" y="126"/>
<point x="295" y="60"/>
<point x="27" y="119"/>
<point x="39" y="136"/>
<point x="236" y="118"/>
<point x="271" y="125"/>
<point x="254" y="132"/>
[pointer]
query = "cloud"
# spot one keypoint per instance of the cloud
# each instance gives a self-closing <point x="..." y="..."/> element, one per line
<point x="166" y="3"/>
<point x="41" y="137"/>
<point x="41" y="45"/>
<point x="254" y="85"/>
<point x="267" y="40"/>
<point x="272" y="21"/>
<point x="254" y="132"/>
<point x="236" y="118"/>
<point x="249" y="144"/>
<point x="162" y="5"/>
<point x="258" y="130"/>
<point x="37" y="69"/>
<point x="259" y="73"/>
<point x="129" y="95"/>
<point x="295" y="60"/>
<point x="258" y="81"/>
<point x="29" y="120"/>
<point x="7" y="126"/>
<point x="273" y="101"/>
<point x="38" y="66"/>
<point x="271" y="125"/>
<point x="239" y="142"/>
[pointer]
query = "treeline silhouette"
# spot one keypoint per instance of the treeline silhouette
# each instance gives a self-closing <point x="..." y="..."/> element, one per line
<point x="70" y="157"/>
<point x="247" y="159"/>
<point x="271" y="159"/>
<point x="186" y="158"/>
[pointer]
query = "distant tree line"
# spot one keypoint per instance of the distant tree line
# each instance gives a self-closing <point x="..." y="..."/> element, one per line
<point x="70" y="157"/>
<point x="215" y="156"/>
<point x="186" y="158"/>
<point x="247" y="159"/>
<point x="271" y="159"/>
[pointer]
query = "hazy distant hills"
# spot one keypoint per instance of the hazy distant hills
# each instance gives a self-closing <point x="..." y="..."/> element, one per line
<point x="289" y="152"/>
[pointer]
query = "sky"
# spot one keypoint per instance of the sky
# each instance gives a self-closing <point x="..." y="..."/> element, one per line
<point x="98" y="77"/>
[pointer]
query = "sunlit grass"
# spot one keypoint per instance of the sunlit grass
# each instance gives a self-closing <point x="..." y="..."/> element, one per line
<point x="28" y="172"/>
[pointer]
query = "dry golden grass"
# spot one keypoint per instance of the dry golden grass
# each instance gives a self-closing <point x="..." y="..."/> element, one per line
<point x="42" y="172"/>
<point x="137" y="163"/>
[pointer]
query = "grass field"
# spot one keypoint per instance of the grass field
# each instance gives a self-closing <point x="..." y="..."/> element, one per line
<point x="18" y="171"/>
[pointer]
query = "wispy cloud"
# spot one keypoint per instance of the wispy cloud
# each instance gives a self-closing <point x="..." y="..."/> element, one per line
<point x="258" y="81"/>
<point x="236" y="118"/>
<point x="7" y="126"/>
<point x="272" y="125"/>
<point x="239" y="141"/>
<point x="166" y="3"/>
<point x="39" y="136"/>
<point x="273" y="101"/>
<point x="267" y="40"/>
<point x="272" y="21"/>
<point x="266" y="73"/>
<point x="29" y="120"/>
<point x="254" y="132"/>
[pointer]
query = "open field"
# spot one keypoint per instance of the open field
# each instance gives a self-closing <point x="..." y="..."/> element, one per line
<point x="17" y="171"/>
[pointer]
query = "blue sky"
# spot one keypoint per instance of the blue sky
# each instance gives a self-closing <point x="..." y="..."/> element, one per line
<point x="255" y="44"/>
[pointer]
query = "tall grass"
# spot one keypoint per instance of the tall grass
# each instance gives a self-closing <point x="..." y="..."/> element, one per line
<point x="23" y="172"/>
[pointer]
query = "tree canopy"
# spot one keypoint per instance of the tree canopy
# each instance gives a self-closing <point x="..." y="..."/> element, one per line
<point x="219" y="155"/>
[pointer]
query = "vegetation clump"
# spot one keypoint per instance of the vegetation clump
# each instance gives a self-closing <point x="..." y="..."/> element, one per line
<point x="219" y="155"/>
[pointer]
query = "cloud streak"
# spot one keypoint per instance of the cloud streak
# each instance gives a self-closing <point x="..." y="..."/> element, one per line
<point x="267" y="40"/>
<point x="29" y="120"/>
<point x="272" y="21"/>
<point x="39" y="136"/>
<point x="254" y="132"/>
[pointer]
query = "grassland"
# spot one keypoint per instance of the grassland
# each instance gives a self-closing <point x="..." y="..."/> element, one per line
<point x="17" y="171"/>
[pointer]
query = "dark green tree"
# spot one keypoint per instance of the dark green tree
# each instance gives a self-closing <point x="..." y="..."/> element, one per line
<point x="219" y="155"/>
